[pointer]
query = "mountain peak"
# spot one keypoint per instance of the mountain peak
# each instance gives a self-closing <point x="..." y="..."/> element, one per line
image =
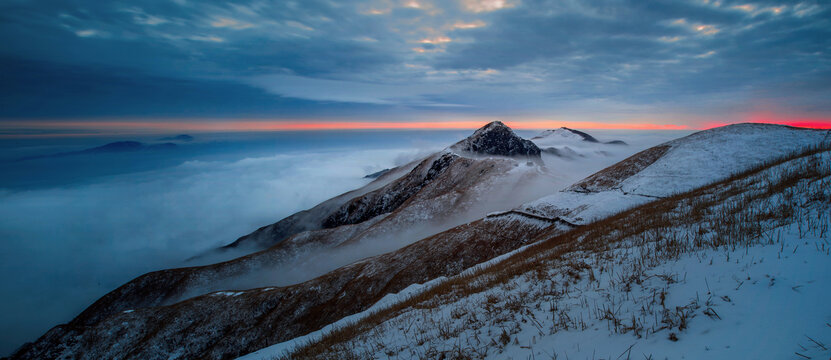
<point x="496" y="138"/>
<point x="567" y="133"/>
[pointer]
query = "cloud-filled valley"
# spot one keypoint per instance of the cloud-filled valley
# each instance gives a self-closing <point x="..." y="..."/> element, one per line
<point x="75" y="242"/>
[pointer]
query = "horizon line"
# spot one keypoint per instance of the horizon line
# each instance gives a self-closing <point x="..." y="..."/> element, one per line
<point x="42" y="129"/>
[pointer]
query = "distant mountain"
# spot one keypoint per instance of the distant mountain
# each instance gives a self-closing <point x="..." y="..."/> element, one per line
<point x="125" y="146"/>
<point x="571" y="144"/>
<point x="563" y="152"/>
<point x="377" y="174"/>
<point x="110" y="148"/>
<point x="181" y="137"/>
<point x="566" y="133"/>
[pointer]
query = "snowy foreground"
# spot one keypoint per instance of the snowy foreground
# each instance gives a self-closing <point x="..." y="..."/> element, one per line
<point x="736" y="269"/>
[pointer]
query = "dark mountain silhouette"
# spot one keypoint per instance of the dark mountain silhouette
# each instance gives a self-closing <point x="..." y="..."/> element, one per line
<point x="180" y="137"/>
<point x="110" y="148"/>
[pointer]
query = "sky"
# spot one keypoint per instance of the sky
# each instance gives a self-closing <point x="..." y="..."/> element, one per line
<point x="85" y="66"/>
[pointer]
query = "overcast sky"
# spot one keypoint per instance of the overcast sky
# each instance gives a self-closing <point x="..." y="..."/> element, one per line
<point x="688" y="63"/>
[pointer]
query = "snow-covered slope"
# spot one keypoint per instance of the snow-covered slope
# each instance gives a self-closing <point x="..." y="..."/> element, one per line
<point x="563" y="134"/>
<point x="737" y="269"/>
<point x="676" y="166"/>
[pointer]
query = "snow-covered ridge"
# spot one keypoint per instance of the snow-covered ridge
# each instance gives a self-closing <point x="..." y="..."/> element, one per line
<point x="570" y="144"/>
<point x="674" y="167"/>
<point x="564" y="133"/>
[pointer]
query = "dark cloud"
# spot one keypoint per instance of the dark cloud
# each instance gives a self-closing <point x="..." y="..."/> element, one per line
<point x="49" y="90"/>
<point x="651" y="52"/>
<point x="542" y="56"/>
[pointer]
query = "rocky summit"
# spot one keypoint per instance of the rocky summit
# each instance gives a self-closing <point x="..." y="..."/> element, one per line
<point x="496" y="138"/>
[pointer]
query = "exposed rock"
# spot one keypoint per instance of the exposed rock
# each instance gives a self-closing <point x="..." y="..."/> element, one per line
<point x="389" y="197"/>
<point x="497" y="139"/>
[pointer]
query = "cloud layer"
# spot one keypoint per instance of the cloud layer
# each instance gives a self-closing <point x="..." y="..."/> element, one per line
<point x="599" y="59"/>
<point x="64" y="247"/>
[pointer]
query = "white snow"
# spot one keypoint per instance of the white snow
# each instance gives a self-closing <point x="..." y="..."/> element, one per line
<point x="704" y="157"/>
<point x="555" y="137"/>
<point x="691" y="162"/>
<point x="766" y="302"/>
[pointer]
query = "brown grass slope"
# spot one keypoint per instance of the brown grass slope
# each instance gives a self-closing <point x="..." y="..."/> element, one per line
<point x="221" y="325"/>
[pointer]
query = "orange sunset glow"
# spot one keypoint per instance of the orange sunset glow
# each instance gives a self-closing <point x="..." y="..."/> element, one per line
<point x="134" y="126"/>
<point x="279" y="125"/>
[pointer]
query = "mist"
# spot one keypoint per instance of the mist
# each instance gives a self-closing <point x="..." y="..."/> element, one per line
<point x="65" y="246"/>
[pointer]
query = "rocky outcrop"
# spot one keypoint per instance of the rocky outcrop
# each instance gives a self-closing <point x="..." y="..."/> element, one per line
<point x="389" y="197"/>
<point x="496" y="138"/>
